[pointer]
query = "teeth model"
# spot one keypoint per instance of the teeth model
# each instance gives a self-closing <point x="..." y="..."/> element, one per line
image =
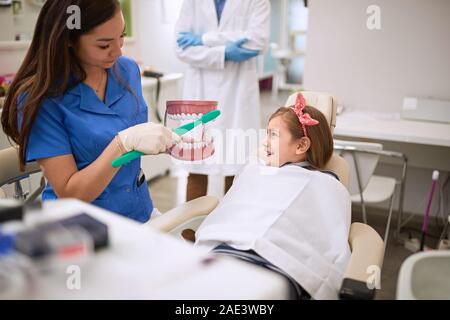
<point x="198" y="143"/>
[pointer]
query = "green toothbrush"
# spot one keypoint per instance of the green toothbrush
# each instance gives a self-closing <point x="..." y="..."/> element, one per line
<point x="132" y="155"/>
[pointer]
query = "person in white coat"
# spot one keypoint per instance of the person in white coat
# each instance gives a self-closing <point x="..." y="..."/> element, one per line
<point x="288" y="216"/>
<point x="219" y="40"/>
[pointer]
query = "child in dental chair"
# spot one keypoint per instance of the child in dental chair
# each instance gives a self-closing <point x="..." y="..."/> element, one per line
<point x="288" y="215"/>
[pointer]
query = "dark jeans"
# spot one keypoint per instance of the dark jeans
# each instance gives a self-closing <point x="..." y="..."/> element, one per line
<point x="296" y="291"/>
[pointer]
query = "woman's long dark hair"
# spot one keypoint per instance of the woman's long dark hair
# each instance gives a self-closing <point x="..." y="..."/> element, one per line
<point x="49" y="64"/>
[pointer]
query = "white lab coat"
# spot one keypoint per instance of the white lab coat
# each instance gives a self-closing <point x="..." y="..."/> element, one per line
<point x="209" y="77"/>
<point x="297" y="219"/>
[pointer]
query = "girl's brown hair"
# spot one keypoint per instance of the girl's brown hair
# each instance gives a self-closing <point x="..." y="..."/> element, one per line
<point x="50" y="65"/>
<point x="321" y="148"/>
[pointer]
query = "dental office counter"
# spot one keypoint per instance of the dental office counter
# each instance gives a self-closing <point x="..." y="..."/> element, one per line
<point x="141" y="263"/>
<point x="419" y="140"/>
<point x="390" y="127"/>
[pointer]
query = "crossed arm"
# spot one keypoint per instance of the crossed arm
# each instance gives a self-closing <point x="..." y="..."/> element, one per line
<point x="209" y="50"/>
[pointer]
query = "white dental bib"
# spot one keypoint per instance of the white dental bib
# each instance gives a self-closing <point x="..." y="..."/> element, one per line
<point x="295" y="218"/>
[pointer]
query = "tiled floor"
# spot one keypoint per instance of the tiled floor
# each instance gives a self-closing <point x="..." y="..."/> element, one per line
<point x="168" y="192"/>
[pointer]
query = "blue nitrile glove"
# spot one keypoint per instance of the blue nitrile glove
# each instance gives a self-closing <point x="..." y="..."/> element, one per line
<point x="187" y="39"/>
<point x="234" y="52"/>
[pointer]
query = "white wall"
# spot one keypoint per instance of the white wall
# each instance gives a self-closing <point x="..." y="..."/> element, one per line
<point x="367" y="69"/>
<point x="6" y="23"/>
<point x="11" y="58"/>
<point x="21" y="24"/>
<point x="156" y="22"/>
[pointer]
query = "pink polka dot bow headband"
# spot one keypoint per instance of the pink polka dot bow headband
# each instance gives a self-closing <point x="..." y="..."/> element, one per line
<point x="304" y="118"/>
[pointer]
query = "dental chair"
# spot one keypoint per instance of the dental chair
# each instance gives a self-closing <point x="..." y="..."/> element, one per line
<point x="10" y="174"/>
<point x="363" y="273"/>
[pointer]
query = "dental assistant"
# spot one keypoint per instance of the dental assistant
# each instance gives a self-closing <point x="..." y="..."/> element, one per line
<point x="219" y="40"/>
<point x="76" y="104"/>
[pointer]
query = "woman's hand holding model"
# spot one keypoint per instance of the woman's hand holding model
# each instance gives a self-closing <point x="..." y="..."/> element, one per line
<point x="148" y="138"/>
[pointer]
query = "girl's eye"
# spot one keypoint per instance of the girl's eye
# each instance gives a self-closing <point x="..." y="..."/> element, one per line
<point x="103" y="47"/>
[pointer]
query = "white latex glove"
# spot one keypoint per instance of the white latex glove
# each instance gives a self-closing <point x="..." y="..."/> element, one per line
<point x="148" y="138"/>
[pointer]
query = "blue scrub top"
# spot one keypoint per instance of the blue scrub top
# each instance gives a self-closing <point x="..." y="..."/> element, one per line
<point x="79" y="123"/>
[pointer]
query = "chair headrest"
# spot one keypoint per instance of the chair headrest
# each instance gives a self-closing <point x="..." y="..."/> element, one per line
<point x="324" y="102"/>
